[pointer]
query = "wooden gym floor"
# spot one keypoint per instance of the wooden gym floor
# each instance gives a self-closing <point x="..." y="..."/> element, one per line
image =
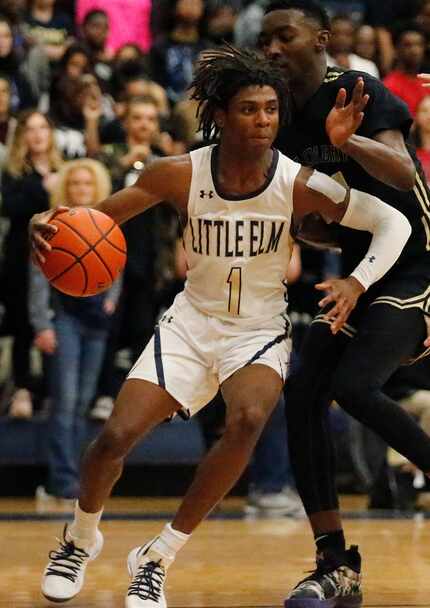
<point x="231" y="561"/>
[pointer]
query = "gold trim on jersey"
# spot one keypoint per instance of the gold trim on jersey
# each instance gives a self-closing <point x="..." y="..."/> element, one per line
<point x="424" y="354"/>
<point x="423" y="199"/>
<point x="421" y="301"/>
<point x="348" y="330"/>
<point x="332" y="76"/>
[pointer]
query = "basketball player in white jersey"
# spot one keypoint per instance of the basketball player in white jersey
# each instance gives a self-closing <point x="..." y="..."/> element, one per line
<point x="229" y="327"/>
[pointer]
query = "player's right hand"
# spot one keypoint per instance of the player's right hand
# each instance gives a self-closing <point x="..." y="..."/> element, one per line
<point x="40" y="231"/>
<point x="343" y="294"/>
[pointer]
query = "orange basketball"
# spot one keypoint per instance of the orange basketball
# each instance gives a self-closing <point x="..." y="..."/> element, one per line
<point x="88" y="252"/>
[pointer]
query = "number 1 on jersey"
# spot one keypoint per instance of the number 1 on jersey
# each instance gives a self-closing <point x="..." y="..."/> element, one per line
<point x="235" y="282"/>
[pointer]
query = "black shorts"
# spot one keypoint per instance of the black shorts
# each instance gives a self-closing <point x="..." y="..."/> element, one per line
<point x="404" y="288"/>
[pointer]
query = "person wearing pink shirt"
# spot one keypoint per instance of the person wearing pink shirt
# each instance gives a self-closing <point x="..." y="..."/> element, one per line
<point x="129" y="20"/>
<point x="403" y="81"/>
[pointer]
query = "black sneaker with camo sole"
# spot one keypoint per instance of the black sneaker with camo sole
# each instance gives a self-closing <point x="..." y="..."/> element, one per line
<point x="335" y="583"/>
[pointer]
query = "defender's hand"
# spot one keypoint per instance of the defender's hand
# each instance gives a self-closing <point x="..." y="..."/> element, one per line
<point x="344" y="293"/>
<point x="40" y="232"/>
<point x="344" y="120"/>
<point x="427" y="340"/>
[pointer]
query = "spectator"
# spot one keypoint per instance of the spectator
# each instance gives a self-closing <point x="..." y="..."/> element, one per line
<point x="45" y="25"/>
<point x="383" y="16"/>
<point x="13" y="10"/>
<point x="423" y="21"/>
<point x="341" y="44"/>
<point x="421" y="134"/>
<point x="174" y="55"/>
<point x="129" y="52"/>
<point x="77" y="103"/>
<point x="129" y="20"/>
<point x="184" y="126"/>
<point x="75" y="338"/>
<point x="403" y="81"/>
<point x="356" y="9"/>
<point x="129" y="62"/>
<point x="7" y="121"/>
<point x="141" y="127"/>
<point x="221" y="20"/>
<point x="131" y="78"/>
<point x="140" y="86"/>
<point x="271" y="481"/>
<point x="83" y="106"/>
<point x="94" y="33"/>
<point x="75" y="62"/>
<point x="21" y="94"/>
<point x="113" y="132"/>
<point x="248" y="23"/>
<point x="30" y="173"/>
<point x="366" y="43"/>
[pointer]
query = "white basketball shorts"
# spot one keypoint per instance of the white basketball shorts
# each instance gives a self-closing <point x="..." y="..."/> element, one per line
<point x="191" y="354"/>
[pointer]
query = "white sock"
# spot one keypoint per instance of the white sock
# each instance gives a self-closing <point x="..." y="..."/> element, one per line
<point x="169" y="542"/>
<point x="84" y="526"/>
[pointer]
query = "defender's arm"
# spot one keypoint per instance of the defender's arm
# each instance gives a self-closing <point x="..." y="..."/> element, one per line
<point x="316" y="192"/>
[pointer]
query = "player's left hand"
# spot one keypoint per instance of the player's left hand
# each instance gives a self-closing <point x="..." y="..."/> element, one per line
<point x="344" y="120"/>
<point x="344" y="293"/>
<point x="39" y="231"/>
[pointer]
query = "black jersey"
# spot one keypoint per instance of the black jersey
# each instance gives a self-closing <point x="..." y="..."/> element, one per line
<point x="305" y="140"/>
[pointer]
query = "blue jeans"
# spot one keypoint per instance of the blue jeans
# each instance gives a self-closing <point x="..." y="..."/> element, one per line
<point x="270" y="468"/>
<point x="75" y="370"/>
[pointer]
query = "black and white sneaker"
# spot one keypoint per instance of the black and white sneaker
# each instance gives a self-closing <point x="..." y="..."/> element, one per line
<point x="63" y="577"/>
<point x="147" y="569"/>
<point x="336" y="583"/>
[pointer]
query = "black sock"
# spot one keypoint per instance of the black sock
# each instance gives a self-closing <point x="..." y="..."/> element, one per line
<point x="334" y="541"/>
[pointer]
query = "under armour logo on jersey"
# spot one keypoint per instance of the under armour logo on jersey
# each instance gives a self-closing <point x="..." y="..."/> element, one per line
<point x="209" y="194"/>
<point x="166" y="319"/>
<point x="371" y="259"/>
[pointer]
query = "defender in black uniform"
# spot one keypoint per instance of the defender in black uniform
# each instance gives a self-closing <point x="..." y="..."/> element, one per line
<point x="348" y="125"/>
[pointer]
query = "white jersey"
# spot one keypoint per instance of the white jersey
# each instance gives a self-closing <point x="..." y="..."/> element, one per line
<point x="238" y="248"/>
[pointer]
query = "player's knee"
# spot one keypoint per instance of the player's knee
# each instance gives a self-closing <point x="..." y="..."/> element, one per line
<point x="247" y="422"/>
<point x="115" y="440"/>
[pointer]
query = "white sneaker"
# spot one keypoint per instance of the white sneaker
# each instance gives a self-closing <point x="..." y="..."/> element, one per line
<point x="297" y="507"/>
<point x="103" y="408"/>
<point x="21" y="405"/>
<point x="148" y="570"/>
<point x="63" y="577"/>
<point x="286" y="502"/>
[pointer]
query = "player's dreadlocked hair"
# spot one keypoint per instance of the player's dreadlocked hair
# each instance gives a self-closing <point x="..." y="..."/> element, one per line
<point x="222" y="72"/>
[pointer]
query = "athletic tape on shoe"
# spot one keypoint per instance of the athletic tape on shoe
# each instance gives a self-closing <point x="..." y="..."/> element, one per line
<point x="322" y="183"/>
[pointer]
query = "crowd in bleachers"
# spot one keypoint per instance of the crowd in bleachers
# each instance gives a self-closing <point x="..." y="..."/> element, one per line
<point x="91" y="91"/>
